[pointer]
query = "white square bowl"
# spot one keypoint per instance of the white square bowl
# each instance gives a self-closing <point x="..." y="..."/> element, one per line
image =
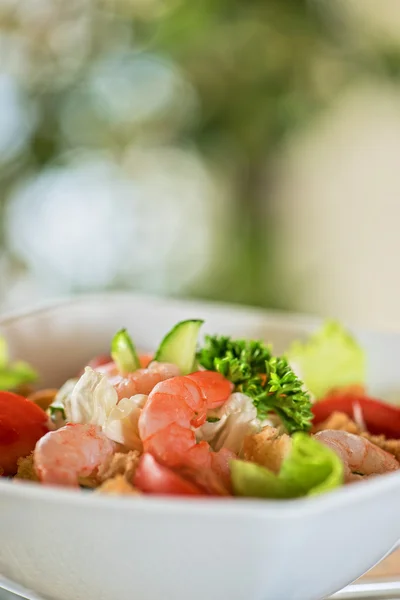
<point x="70" y="545"/>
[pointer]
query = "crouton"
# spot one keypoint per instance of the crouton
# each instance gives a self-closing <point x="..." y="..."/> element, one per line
<point x="26" y="468"/>
<point x="117" y="485"/>
<point x="120" y="464"/>
<point x="43" y="398"/>
<point x="267" y="448"/>
<point x="391" y="446"/>
<point x="339" y="422"/>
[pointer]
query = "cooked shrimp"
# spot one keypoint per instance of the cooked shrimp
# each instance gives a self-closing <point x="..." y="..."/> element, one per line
<point x="62" y="457"/>
<point x="173" y="410"/>
<point x="360" y="457"/>
<point x="215" y="388"/>
<point x="141" y="381"/>
<point x="268" y="448"/>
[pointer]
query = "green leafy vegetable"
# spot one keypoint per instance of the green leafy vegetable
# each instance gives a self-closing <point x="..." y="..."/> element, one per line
<point x="123" y="352"/>
<point x="268" y="380"/>
<point x="213" y="419"/>
<point x="237" y="360"/>
<point x="330" y="358"/>
<point x="14" y="374"/>
<point x="311" y="468"/>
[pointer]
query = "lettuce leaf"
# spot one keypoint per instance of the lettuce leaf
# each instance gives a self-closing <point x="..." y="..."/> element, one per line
<point x="14" y="374"/>
<point x="91" y="399"/>
<point x="311" y="468"/>
<point x="330" y="358"/>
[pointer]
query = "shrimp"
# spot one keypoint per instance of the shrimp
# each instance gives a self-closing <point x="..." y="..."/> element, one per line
<point x="141" y="381"/>
<point x="61" y="457"/>
<point x="215" y="388"/>
<point x="173" y="410"/>
<point x="361" y="458"/>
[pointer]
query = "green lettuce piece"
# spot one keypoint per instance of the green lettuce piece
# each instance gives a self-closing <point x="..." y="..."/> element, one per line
<point x="14" y="374"/>
<point x="330" y="358"/>
<point x="17" y="374"/>
<point x="311" y="468"/>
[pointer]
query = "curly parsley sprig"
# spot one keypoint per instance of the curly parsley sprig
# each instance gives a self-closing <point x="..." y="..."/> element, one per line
<point x="268" y="380"/>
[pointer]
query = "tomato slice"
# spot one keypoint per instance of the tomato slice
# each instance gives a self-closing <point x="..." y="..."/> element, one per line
<point x="153" y="478"/>
<point x="22" y="423"/>
<point x="379" y="417"/>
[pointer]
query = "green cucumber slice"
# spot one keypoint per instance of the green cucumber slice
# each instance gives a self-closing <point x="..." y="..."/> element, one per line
<point x="179" y="345"/>
<point x="123" y="352"/>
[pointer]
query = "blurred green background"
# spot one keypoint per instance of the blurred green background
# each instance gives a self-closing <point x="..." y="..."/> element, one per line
<point x="155" y="145"/>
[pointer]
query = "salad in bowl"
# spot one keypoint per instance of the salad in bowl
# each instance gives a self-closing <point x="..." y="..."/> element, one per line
<point x="221" y="418"/>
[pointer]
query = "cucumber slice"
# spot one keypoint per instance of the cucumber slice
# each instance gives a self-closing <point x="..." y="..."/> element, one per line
<point x="123" y="352"/>
<point x="179" y="345"/>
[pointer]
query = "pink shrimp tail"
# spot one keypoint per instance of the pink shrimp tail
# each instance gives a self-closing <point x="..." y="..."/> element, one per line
<point x="215" y="388"/>
<point x="174" y="408"/>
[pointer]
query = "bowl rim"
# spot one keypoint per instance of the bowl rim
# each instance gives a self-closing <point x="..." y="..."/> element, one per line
<point x="283" y="318"/>
<point x="221" y="507"/>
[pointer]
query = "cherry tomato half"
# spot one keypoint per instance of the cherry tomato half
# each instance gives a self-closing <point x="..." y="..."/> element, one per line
<point x="153" y="478"/>
<point x="379" y="417"/>
<point x="22" y="423"/>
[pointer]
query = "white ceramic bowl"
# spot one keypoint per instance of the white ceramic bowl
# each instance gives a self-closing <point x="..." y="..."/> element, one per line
<point x="71" y="545"/>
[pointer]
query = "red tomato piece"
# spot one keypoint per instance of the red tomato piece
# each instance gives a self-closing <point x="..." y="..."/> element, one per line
<point x="379" y="417"/>
<point x="153" y="478"/>
<point x="215" y="387"/>
<point x="22" y="423"/>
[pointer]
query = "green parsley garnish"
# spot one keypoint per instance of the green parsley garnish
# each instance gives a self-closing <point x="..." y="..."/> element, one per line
<point x="268" y="380"/>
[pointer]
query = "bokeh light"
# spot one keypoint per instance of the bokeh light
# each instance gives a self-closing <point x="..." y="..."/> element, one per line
<point x="179" y="147"/>
<point x="17" y="118"/>
<point x="124" y="95"/>
<point x="96" y="226"/>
